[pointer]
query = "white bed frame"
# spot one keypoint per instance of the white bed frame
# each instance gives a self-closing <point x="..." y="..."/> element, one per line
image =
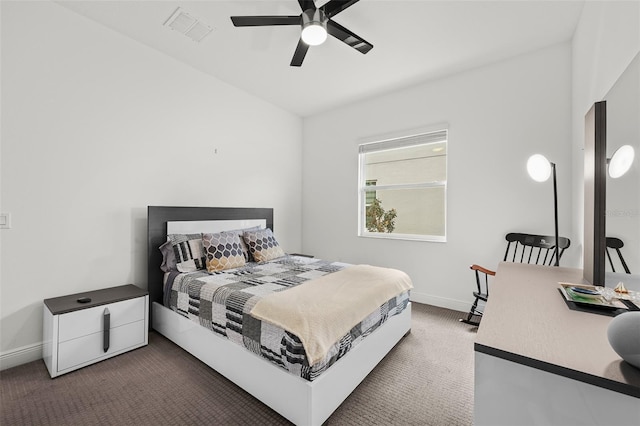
<point x="300" y="401"/>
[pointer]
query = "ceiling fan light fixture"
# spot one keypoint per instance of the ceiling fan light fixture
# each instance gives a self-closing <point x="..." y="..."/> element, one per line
<point x="314" y="27"/>
<point x="314" y="24"/>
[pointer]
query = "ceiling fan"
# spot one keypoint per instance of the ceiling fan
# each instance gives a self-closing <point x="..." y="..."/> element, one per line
<point x="315" y="23"/>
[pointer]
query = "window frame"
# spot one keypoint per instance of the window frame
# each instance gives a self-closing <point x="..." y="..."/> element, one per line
<point x="432" y="135"/>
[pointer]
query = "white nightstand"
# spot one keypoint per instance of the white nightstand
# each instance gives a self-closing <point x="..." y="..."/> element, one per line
<point x="76" y="334"/>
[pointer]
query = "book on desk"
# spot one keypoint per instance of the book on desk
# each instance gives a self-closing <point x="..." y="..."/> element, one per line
<point x="598" y="300"/>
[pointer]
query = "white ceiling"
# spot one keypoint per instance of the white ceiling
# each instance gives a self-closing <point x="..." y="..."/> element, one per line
<point x="414" y="41"/>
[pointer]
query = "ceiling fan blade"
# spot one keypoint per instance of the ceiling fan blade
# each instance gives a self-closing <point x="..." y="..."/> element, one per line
<point x="259" y="21"/>
<point x="353" y="40"/>
<point x="299" y="54"/>
<point x="307" y="4"/>
<point x="333" y="7"/>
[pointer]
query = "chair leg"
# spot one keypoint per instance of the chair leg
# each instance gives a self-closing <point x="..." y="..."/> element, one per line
<point x="472" y="312"/>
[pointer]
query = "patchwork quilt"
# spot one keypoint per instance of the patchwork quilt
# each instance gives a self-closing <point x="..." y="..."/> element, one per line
<point x="221" y="301"/>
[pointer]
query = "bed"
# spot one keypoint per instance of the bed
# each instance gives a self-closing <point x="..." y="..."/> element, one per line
<point x="303" y="401"/>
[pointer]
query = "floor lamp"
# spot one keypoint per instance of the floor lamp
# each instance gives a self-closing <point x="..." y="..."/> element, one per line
<point x="540" y="169"/>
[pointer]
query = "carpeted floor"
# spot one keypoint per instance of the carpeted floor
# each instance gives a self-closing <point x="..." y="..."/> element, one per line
<point x="427" y="379"/>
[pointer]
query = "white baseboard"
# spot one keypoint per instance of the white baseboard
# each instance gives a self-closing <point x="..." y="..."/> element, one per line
<point x="20" y="356"/>
<point x="442" y="302"/>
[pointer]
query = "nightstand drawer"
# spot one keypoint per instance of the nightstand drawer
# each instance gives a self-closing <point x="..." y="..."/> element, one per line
<point x="89" y="348"/>
<point x="88" y="321"/>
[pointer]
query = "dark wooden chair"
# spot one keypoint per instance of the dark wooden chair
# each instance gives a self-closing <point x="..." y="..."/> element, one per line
<point x="616" y="244"/>
<point x="521" y="248"/>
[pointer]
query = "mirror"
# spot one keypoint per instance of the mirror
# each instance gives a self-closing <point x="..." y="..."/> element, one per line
<point x="623" y="193"/>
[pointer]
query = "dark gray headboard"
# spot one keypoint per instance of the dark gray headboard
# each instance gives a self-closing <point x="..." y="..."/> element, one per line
<point x="157" y="218"/>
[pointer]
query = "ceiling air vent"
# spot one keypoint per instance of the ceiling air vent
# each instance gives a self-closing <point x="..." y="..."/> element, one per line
<point x="186" y="24"/>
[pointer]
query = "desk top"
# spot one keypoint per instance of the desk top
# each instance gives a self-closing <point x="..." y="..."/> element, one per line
<point x="527" y="321"/>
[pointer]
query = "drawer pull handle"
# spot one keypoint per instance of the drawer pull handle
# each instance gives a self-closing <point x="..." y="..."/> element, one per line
<point x="106" y="326"/>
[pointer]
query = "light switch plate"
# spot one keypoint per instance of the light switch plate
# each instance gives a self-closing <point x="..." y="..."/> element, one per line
<point x="5" y="220"/>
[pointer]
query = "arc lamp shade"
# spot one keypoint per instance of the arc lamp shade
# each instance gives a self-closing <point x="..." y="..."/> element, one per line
<point x="539" y="168"/>
<point x="621" y="161"/>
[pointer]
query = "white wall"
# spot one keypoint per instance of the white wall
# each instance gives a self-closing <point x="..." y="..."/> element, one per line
<point x="498" y="116"/>
<point x="605" y="42"/>
<point x="96" y="127"/>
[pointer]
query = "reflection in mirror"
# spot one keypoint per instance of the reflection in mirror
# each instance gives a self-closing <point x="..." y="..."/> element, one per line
<point x="623" y="193"/>
<point x="621" y="161"/>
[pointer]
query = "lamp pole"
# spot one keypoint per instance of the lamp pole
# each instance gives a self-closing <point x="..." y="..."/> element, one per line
<point x="555" y="211"/>
<point x="538" y="168"/>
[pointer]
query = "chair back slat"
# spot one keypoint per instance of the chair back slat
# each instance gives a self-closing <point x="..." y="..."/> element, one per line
<point x="544" y="260"/>
<point x="506" y="253"/>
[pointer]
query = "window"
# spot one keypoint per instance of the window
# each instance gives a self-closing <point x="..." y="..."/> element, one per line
<point x="403" y="187"/>
<point x="370" y="194"/>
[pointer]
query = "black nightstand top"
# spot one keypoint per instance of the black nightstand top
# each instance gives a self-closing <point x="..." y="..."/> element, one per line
<point x="301" y="255"/>
<point x="64" y="304"/>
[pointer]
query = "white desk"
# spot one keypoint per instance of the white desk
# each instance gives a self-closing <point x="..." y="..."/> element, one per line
<point x="538" y="362"/>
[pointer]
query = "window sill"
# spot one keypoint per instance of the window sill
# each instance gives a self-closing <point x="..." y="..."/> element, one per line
<point x="405" y="237"/>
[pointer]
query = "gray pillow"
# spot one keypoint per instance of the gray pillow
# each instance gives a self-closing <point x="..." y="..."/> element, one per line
<point x="168" y="258"/>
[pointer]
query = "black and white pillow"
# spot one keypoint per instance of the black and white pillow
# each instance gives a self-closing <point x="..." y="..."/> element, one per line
<point x="263" y="246"/>
<point x="188" y="252"/>
<point x="223" y="251"/>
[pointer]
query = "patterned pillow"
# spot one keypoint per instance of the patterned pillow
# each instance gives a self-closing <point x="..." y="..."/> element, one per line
<point x="188" y="251"/>
<point x="223" y="251"/>
<point x="263" y="245"/>
<point x="245" y="249"/>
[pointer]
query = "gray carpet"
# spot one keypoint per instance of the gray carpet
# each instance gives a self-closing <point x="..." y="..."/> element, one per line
<point x="427" y="379"/>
